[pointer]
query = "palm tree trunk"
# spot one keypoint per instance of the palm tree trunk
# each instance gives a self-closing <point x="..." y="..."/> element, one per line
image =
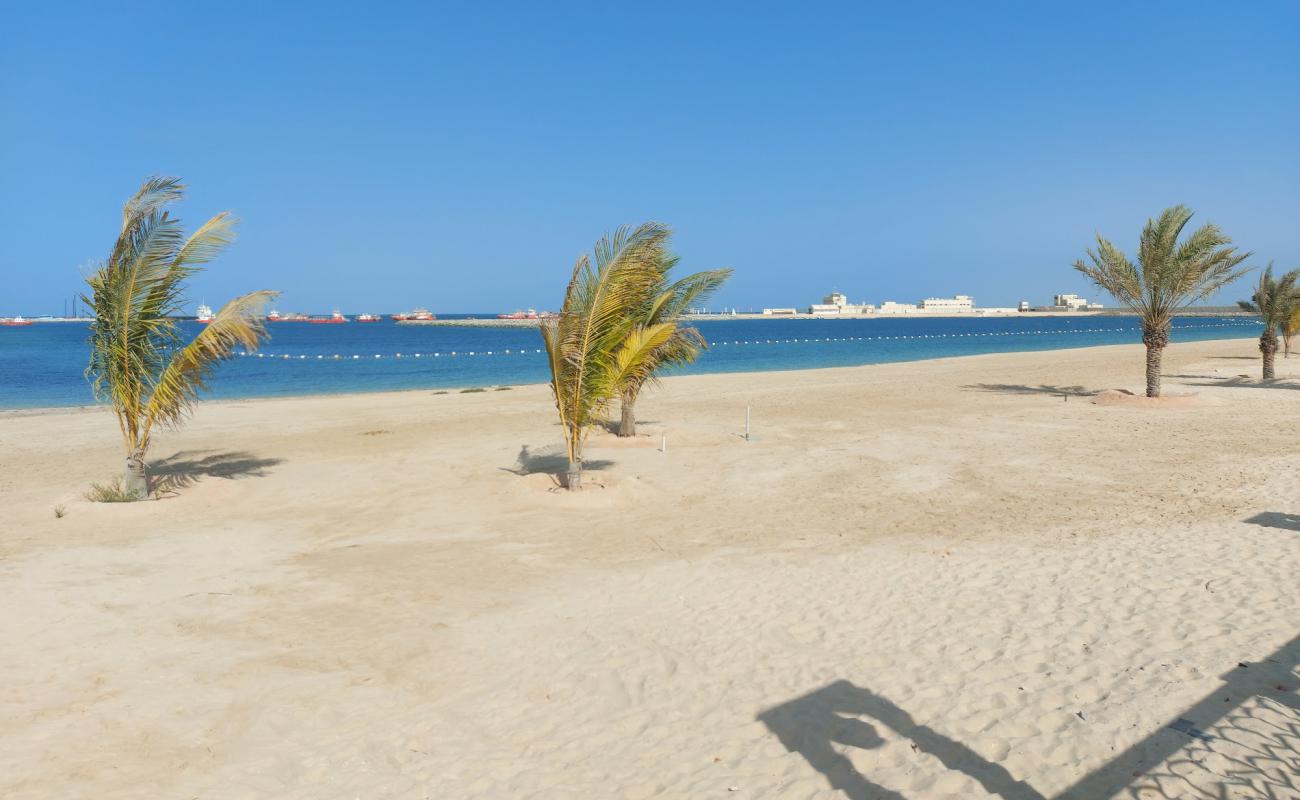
<point x="1154" y="355"/>
<point x="627" y="415"/>
<point x="573" y="477"/>
<point x="1268" y="346"/>
<point x="1155" y="337"/>
<point x="136" y="478"/>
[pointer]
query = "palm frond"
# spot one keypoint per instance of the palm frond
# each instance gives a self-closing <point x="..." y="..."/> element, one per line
<point x="1168" y="276"/>
<point x="239" y="323"/>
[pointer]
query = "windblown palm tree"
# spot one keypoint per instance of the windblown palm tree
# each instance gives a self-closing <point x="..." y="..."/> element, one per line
<point x="1290" y="327"/>
<point x="138" y="361"/>
<point x="1168" y="277"/>
<point x="1275" y="301"/>
<point x="664" y="304"/>
<point x="596" y="345"/>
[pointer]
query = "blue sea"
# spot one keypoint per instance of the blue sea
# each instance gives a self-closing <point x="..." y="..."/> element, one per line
<point x="42" y="365"/>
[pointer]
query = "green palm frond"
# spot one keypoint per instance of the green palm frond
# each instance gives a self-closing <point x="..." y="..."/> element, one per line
<point x="1276" y="300"/>
<point x="1168" y="276"/>
<point x="239" y="323"/>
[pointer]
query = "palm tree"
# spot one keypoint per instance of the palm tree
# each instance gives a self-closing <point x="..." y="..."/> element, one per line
<point x="1167" y="278"/>
<point x="596" y="346"/>
<point x="1290" y="327"/>
<point x="664" y="304"/>
<point x="138" y="361"/>
<point x="1275" y="301"/>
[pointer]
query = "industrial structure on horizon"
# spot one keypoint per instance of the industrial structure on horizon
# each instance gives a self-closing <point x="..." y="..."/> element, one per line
<point x="837" y="304"/>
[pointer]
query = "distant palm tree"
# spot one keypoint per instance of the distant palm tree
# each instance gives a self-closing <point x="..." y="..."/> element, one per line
<point x="665" y="303"/>
<point x="138" y="361"/>
<point x="1275" y="300"/>
<point x="1167" y="278"/>
<point x="1290" y="327"/>
<point x="595" y="346"/>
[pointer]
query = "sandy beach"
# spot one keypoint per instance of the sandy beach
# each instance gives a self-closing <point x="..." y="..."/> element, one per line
<point x="958" y="578"/>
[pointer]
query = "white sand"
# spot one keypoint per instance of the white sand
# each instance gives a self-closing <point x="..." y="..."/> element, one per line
<point x="930" y="580"/>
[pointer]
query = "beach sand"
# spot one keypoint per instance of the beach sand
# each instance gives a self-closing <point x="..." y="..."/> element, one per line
<point x="957" y="578"/>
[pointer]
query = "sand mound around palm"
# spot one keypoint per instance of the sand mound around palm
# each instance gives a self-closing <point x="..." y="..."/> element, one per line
<point x="1123" y="397"/>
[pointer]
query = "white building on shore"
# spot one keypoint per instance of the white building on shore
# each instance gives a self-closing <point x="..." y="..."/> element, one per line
<point x="837" y="304"/>
<point x="961" y="304"/>
<point x="1073" y="302"/>
<point x="890" y="307"/>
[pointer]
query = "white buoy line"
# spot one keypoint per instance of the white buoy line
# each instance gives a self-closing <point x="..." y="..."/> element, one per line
<point x="528" y="351"/>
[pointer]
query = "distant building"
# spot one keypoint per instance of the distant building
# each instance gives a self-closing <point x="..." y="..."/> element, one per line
<point x="837" y="304"/>
<point x="890" y="307"/>
<point x="1024" y="305"/>
<point x="961" y="304"/>
<point x="779" y="311"/>
<point x="1073" y="302"/>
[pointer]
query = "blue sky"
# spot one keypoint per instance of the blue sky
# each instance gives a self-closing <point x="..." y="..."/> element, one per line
<point x="386" y="155"/>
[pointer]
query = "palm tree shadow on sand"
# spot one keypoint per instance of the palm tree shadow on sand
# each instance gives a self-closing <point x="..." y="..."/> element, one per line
<point x="1259" y="741"/>
<point x="552" y="461"/>
<point x="1276" y="519"/>
<point x="183" y="469"/>
<point x="1026" y="389"/>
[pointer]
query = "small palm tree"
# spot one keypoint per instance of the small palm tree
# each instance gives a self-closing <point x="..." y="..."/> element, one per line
<point x="665" y="304"/>
<point x="1168" y="277"/>
<point x="1276" y="301"/>
<point x="138" y="361"/>
<point x="1290" y="327"/>
<point x="596" y="346"/>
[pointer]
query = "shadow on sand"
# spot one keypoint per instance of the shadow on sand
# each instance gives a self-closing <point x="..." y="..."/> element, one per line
<point x="185" y="468"/>
<point x="1276" y="519"/>
<point x="1017" y="388"/>
<point x="1259" y="741"/>
<point x="1236" y="381"/>
<point x="553" y="461"/>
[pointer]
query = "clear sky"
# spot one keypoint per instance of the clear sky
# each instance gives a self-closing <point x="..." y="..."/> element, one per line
<point x="461" y="156"/>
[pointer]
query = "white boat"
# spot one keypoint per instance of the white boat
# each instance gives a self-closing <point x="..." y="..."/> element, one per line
<point x="204" y="315"/>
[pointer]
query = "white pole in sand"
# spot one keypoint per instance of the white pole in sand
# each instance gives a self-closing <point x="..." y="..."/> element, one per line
<point x="663" y="446"/>
<point x="747" y="423"/>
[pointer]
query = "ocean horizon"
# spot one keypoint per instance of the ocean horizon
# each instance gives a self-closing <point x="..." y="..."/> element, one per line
<point x="43" y="365"/>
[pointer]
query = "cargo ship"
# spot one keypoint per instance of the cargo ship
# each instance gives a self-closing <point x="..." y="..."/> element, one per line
<point x="204" y="315"/>
<point x="16" y="322"/>
<point x="276" y="316"/>
<point x="418" y="315"/>
<point x="368" y="318"/>
<point x="336" y="318"/>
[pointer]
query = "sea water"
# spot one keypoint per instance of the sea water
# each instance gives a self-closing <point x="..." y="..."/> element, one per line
<point x="43" y="365"/>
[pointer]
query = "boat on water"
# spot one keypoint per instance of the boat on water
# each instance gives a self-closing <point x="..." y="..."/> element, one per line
<point x="336" y="318"/>
<point x="418" y="315"/>
<point x="368" y="317"/>
<point x="529" y="314"/>
<point x="276" y="316"/>
<point x="204" y="315"/>
<point x="16" y="322"/>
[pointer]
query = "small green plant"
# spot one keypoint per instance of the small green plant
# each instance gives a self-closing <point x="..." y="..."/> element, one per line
<point x="113" y="491"/>
<point x="441" y="391"/>
<point x="59" y="511"/>
<point x="475" y="389"/>
<point x="504" y="388"/>
<point x="375" y="433"/>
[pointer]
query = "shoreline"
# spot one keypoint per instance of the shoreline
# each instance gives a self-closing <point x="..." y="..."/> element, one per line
<point x="752" y="316"/>
<point x="6" y="413"/>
